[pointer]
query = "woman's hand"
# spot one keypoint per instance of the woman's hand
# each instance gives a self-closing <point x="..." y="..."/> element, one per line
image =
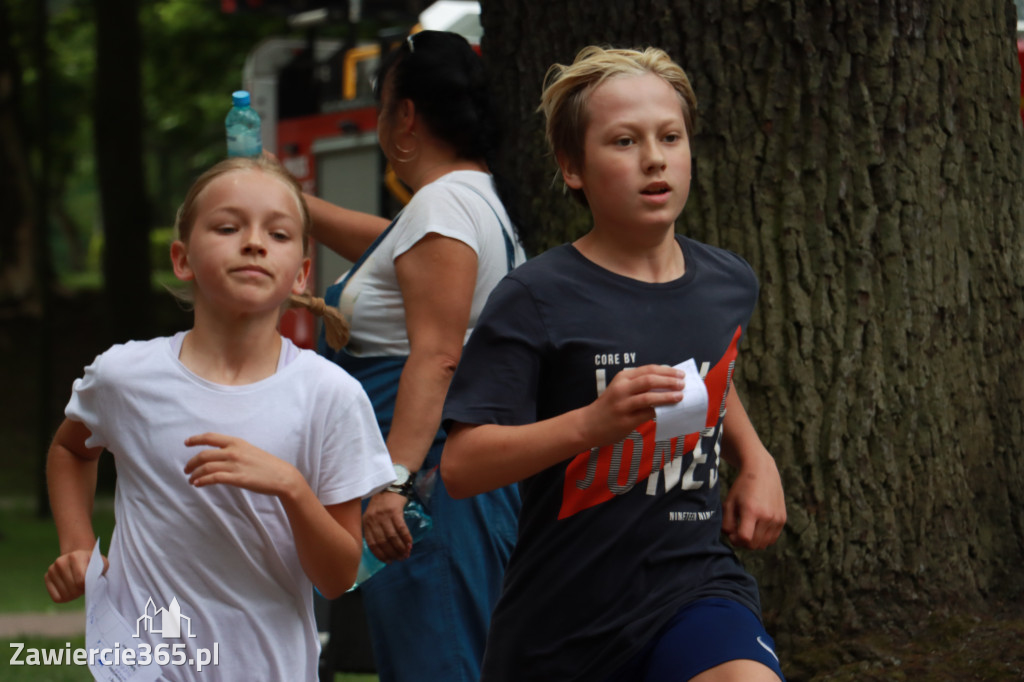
<point x="384" y="527"/>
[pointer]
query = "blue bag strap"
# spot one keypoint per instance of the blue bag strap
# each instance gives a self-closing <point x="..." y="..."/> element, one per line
<point x="510" y="249"/>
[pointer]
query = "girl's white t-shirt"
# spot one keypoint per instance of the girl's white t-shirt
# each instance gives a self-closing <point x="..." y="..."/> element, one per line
<point x="225" y="555"/>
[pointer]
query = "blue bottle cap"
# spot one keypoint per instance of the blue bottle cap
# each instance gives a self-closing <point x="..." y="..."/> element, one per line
<point x="240" y="98"/>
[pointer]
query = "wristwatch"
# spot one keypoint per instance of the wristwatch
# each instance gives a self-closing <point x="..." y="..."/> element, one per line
<point x="403" y="481"/>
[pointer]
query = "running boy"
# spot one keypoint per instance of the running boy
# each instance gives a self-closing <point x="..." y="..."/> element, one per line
<point x="241" y="459"/>
<point x="620" y="571"/>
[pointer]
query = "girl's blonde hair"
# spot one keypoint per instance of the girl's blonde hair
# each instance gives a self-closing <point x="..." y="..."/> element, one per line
<point x="335" y="325"/>
<point x="567" y="90"/>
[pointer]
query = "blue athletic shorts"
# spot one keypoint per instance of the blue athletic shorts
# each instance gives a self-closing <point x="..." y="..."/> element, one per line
<point x="700" y="636"/>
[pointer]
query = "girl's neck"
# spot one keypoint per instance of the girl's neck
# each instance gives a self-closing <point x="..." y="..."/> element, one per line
<point x="654" y="258"/>
<point x="231" y="352"/>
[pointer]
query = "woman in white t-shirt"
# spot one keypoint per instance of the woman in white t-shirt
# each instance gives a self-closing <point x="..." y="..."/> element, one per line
<point x="412" y="299"/>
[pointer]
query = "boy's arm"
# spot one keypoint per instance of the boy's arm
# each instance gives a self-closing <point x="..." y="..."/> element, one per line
<point x="754" y="510"/>
<point x="328" y="540"/>
<point x="342" y="230"/>
<point x="71" y="481"/>
<point x="482" y="457"/>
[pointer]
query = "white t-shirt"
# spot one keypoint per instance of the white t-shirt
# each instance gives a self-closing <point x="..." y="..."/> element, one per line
<point x="453" y="206"/>
<point x="227" y="555"/>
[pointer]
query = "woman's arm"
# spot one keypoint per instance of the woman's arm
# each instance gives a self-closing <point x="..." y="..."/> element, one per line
<point x="478" y="458"/>
<point x="71" y="469"/>
<point x="346" y="232"/>
<point x="754" y="511"/>
<point x="437" y="277"/>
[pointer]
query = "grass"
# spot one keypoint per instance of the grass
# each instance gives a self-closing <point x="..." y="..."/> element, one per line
<point x="29" y="545"/>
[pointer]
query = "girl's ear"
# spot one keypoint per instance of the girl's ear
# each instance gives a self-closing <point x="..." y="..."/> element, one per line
<point x="570" y="173"/>
<point x="179" y="261"/>
<point x="302" y="277"/>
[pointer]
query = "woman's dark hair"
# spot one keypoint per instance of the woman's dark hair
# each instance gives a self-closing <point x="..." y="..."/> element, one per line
<point x="442" y="75"/>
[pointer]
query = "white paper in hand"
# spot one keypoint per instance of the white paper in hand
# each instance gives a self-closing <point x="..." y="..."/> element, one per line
<point x="106" y="629"/>
<point x="689" y="414"/>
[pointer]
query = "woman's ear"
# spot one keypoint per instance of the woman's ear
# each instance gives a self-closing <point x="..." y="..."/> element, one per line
<point x="179" y="261"/>
<point x="570" y="173"/>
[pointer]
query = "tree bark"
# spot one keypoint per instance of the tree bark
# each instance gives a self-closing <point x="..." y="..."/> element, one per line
<point x="867" y="158"/>
<point x="118" y="120"/>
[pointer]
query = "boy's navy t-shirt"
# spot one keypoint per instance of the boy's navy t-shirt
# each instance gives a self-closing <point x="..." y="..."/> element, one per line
<point x="613" y="541"/>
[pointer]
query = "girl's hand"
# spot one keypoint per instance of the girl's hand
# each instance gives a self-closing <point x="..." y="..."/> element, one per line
<point x="233" y="461"/>
<point x="65" y="578"/>
<point x="629" y="400"/>
<point x="384" y="527"/>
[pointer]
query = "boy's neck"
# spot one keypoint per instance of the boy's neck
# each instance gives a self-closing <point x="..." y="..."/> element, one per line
<point x="655" y="260"/>
<point x="231" y="352"/>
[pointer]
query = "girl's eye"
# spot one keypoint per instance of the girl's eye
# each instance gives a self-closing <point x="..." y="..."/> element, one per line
<point x="225" y="229"/>
<point x="281" y="236"/>
<point x="623" y="142"/>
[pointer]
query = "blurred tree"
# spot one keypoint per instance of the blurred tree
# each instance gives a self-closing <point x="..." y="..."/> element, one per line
<point x="17" y="271"/>
<point x="118" y="126"/>
<point x="868" y="160"/>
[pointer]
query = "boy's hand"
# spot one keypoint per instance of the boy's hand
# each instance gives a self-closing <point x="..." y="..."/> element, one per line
<point x="233" y="461"/>
<point x="629" y="400"/>
<point x="754" y="511"/>
<point x="65" y="578"/>
<point x="384" y="527"/>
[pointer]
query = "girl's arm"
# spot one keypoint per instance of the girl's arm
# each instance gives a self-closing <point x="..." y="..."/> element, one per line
<point x="483" y="457"/>
<point x="346" y="232"/>
<point x="754" y="511"/>
<point x="328" y="539"/>
<point x="437" y="277"/>
<point x="71" y="469"/>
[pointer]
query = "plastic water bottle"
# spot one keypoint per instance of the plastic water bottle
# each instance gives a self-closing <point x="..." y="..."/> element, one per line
<point x="243" y="127"/>
<point x="419" y="523"/>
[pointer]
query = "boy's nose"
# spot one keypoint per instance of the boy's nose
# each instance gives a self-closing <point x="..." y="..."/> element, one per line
<point x="654" y="157"/>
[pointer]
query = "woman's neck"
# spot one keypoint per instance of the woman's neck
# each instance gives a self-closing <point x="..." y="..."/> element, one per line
<point x="434" y="161"/>
<point x="232" y="352"/>
<point x="654" y="259"/>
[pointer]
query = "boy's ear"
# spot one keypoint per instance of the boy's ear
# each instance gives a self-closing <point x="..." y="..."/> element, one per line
<point x="179" y="261"/>
<point x="302" y="277"/>
<point x="570" y="174"/>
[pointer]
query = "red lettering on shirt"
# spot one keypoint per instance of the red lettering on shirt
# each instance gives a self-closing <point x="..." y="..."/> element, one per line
<point x="596" y="476"/>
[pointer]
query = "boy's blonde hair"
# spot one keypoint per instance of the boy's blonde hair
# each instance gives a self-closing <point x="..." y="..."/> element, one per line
<point x="567" y="92"/>
<point x="336" y="327"/>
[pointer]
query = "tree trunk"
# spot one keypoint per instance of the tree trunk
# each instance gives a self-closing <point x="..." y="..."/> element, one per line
<point x="16" y="197"/>
<point x="866" y="158"/>
<point x="118" y="135"/>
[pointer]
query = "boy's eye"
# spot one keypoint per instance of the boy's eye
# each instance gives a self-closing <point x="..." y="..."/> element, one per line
<point x="673" y="137"/>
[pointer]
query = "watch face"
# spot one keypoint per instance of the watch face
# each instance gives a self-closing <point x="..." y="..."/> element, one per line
<point x="401" y="475"/>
